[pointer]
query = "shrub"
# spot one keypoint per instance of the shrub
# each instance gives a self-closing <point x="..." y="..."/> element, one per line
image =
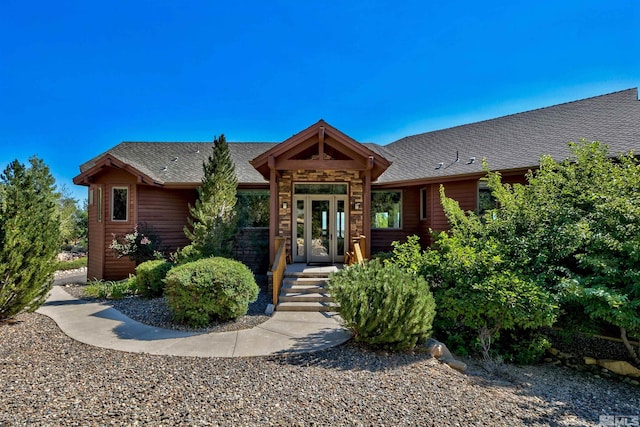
<point x="477" y="291"/>
<point x="71" y="265"/>
<point x="210" y="288"/>
<point x="384" y="305"/>
<point x="112" y="290"/>
<point x="150" y="277"/>
<point x="186" y="254"/>
<point x="524" y="347"/>
<point x="140" y="245"/>
<point x="29" y="236"/>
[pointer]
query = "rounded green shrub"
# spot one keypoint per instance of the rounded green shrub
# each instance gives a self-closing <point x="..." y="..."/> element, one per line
<point x="210" y="288"/>
<point x="150" y="277"/>
<point x="384" y="305"/>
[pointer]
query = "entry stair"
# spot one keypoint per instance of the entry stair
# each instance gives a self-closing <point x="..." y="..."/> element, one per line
<point x="305" y="291"/>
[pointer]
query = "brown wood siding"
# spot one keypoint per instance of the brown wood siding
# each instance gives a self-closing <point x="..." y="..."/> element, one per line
<point x="104" y="264"/>
<point x="95" y="261"/>
<point x="464" y="192"/>
<point x="166" y="211"/>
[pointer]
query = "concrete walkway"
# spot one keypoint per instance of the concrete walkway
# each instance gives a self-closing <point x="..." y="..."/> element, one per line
<point x="103" y="326"/>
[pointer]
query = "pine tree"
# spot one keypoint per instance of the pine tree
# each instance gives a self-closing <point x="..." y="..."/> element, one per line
<point x="29" y="236"/>
<point x="212" y="224"/>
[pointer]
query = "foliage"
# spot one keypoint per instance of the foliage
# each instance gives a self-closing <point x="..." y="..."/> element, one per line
<point x="150" y="277"/>
<point x="252" y="208"/>
<point x="212" y="222"/>
<point x="573" y="229"/>
<point x="140" y="245"/>
<point x="70" y="265"/>
<point x="73" y="219"/>
<point x="186" y="254"/>
<point x="383" y="304"/>
<point x="112" y="290"/>
<point x="524" y="347"/>
<point x="29" y="236"/>
<point x="210" y="288"/>
<point x="478" y="291"/>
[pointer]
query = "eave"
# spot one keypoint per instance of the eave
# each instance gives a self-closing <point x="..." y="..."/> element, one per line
<point x="109" y="160"/>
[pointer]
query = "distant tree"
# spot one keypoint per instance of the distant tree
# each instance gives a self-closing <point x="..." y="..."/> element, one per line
<point x="212" y="224"/>
<point x="29" y="236"/>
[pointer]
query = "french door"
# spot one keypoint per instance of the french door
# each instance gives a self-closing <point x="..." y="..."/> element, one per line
<point x="320" y="232"/>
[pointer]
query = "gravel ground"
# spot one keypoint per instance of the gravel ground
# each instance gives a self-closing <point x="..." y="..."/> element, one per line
<point x="48" y="379"/>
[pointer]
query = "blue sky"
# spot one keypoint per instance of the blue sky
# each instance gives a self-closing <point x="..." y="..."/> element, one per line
<point x="78" y="77"/>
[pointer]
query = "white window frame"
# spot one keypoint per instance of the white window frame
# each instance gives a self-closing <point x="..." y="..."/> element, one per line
<point x="126" y="209"/>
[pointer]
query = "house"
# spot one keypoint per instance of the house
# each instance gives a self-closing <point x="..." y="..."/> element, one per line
<point x="323" y="188"/>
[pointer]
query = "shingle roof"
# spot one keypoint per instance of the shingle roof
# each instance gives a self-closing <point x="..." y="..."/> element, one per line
<point x="510" y="142"/>
<point x="518" y="140"/>
<point x="181" y="162"/>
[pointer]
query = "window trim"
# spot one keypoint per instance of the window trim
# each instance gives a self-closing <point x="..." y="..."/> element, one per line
<point x="126" y="209"/>
<point x="400" y="219"/>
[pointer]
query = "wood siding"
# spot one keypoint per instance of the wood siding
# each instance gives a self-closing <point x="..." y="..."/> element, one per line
<point x="166" y="211"/>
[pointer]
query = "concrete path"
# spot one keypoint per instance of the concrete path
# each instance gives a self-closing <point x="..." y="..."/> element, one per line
<point x="103" y="326"/>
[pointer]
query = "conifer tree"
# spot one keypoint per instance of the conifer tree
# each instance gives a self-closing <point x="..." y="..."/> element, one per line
<point x="212" y="224"/>
<point x="29" y="236"/>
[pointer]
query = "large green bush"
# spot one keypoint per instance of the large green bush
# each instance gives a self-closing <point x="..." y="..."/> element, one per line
<point x="150" y="277"/>
<point x="384" y="305"/>
<point x="210" y="288"/>
<point x="29" y="236"/>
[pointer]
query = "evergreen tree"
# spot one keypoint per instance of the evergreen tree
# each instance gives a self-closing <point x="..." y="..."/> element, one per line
<point x="29" y="236"/>
<point x="212" y="224"/>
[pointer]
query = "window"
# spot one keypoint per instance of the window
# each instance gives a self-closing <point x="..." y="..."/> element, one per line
<point x="119" y="203"/>
<point x="423" y="204"/>
<point x="320" y="188"/>
<point x="486" y="201"/>
<point x="386" y="209"/>
<point x="99" y="204"/>
<point x="252" y="208"/>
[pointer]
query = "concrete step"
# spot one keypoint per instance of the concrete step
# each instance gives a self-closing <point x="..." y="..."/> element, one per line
<point x="306" y="306"/>
<point x="289" y="288"/>
<point x="305" y="280"/>
<point x="305" y="297"/>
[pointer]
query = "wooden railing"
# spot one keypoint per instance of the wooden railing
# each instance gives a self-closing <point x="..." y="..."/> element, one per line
<point x="359" y="249"/>
<point x="278" y="267"/>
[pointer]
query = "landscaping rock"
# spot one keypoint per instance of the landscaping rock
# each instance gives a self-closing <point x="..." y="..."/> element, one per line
<point x="442" y="353"/>
<point x="620" y="367"/>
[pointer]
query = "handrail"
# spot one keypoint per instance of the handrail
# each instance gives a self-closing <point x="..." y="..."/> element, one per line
<point x="278" y="267"/>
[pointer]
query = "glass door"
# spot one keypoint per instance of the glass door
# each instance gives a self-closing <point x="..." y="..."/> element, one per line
<point x="320" y="232"/>
<point x="321" y="236"/>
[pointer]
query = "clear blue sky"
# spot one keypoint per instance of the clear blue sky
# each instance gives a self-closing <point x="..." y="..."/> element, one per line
<point x="78" y="77"/>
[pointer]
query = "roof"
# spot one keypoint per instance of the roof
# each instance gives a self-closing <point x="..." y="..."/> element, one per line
<point x="511" y="142"/>
<point x="181" y="162"/>
<point x="321" y="138"/>
<point x="519" y="140"/>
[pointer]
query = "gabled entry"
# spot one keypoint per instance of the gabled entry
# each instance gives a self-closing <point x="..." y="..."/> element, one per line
<point x="320" y="182"/>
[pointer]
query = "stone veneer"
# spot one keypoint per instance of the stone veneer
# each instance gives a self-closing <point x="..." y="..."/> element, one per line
<point x="285" y="194"/>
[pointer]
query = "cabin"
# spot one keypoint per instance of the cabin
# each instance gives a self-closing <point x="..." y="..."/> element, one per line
<point x="320" y="189"/>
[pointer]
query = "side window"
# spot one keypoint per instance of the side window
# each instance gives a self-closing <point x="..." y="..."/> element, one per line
<point x="423" y="204"/>
<point x="386" y="209"/>
<point x="486" y="200"/>
<point x="119" y="203"/>
<point x="99" y="204"/>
